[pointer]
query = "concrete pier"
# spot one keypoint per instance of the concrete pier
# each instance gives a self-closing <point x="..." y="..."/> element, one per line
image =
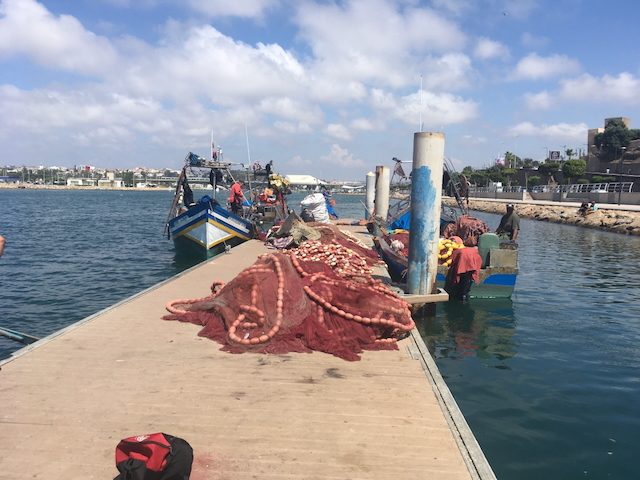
<point x="68" y="399"/>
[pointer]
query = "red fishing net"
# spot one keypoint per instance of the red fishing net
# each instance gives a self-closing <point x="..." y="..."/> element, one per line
<point x="318" y="297"/>
<point x="468" y="228"/>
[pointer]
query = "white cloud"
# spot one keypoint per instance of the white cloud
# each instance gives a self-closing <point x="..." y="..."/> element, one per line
<point x="364" y="124"/>
<point x="236" y="8"/>
<point x="624" y="87"/>
<point x="535" y="67"/>
<point x="28" y="28"/>
<point x="339" y="131"/>
<point x="449" y="72"/>
<point x="538" y="101"/>
<point x="561" y="131"/>
<point x="487" y="49"/>
<point x="372" y="41"/>
<point x="437" y="109"/>
<point x="341" y="156"/>
<point x="533" y="41"/>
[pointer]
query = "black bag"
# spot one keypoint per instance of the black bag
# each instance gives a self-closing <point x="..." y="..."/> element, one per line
<point x="156" y="456"/>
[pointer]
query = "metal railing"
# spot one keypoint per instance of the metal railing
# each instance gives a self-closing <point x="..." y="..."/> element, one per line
<point x="611" y="187"/>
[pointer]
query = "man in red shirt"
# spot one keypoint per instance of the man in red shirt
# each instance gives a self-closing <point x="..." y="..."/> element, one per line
<point x="236" y="197"/>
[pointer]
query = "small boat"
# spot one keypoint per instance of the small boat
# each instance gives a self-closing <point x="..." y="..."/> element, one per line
<point x="495" y="281"/>
<point x="206" y="227"/>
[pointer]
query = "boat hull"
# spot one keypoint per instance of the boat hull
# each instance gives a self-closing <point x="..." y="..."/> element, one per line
<point x="208" y="229"/>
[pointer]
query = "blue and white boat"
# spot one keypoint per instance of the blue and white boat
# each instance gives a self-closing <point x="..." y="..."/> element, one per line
<point x="208" y="228"/>
<point x="204" y="227"/>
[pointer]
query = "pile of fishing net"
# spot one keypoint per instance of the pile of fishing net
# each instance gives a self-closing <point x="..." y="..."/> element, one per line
<point x="320" y="296"/>
<point x="467" y="228"/>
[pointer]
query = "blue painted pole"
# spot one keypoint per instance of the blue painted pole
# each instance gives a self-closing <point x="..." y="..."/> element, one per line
<point x="426" y="196"/>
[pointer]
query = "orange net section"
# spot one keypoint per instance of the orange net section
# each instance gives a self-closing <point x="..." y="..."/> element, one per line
<point x="317" y="297"/>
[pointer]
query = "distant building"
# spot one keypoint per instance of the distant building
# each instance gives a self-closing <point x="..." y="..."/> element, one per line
<point x="110" y="183"/>
<point x="80" y="182"/>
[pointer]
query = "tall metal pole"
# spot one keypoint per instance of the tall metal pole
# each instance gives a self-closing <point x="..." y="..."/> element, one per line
<point x="382" y="192"/>
<point x="619" y="177"/>
<point x="371" y="194"/>
<point x="426" y="195"/>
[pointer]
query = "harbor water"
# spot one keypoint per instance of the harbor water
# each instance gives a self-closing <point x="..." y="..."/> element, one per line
<point x="549" y="381"/>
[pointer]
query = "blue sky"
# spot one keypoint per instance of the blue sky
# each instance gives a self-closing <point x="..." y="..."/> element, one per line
<point x="330" y="88"/>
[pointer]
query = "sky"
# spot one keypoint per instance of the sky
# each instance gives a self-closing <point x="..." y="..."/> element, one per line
<point x="328" y="88"/>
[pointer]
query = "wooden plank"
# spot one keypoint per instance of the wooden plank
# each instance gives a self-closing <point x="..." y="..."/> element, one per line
<point x="67" y="400"/>
<point x="413" y="299"/>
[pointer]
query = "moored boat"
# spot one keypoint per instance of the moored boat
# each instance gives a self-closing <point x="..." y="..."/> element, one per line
<point x="206" y="227"/>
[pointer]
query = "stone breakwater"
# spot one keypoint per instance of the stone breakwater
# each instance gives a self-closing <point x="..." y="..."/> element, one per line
<point x="618" y="221"/>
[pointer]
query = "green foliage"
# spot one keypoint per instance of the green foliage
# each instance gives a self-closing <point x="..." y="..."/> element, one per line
<point x="615" y="136"/>
<point x="468" y="170"/>
<point x="527" y="162"/>
<point x="478" y="177"/>
<point x="582" y="181"/>
<point x="602" y="179"/>
<point x="569" y="153"/>
<point x="573" y="168"/>
<point x="534" y="180"/>
<point x="549" y="168"/>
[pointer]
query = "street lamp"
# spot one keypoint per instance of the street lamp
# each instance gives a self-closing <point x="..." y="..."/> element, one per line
<point x="619" y="172"/>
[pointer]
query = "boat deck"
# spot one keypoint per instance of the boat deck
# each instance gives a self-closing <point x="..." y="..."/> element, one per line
<point x="68" y="399"/>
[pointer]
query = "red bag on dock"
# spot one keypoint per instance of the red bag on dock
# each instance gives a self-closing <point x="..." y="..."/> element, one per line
<point x="155" y="456"/>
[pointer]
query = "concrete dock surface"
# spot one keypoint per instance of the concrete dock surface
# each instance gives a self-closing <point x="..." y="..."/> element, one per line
<point x="67" y="400"/>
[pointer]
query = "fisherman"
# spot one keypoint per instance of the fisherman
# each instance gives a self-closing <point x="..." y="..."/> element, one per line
<point x="236" y="197"/>
<point x="509" y="224"/>
<point x="330" y="203"/>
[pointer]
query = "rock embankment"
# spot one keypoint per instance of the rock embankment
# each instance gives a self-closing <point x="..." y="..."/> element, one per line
<point x="618" y="221"/>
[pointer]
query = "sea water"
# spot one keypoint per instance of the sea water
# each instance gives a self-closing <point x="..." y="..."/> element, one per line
<point x="549" y="381"/>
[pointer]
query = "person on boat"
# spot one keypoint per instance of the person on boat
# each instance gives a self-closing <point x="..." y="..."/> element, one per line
<point x="330" y="203"/>
<point x="236" y="197"/>
<point x="509" y="224"/>
<point x="2" y="244"/>
<point x="464" y="188"/>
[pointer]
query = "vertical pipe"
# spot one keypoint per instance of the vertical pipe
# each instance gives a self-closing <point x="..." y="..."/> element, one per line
<point x="371" y="194"/>
<point x="426" y="195"/>
<point x="383" y="179"/>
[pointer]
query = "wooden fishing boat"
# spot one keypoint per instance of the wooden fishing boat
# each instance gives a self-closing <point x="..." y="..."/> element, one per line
<point x="495" y="280"/>
<point x="206" y="227"/>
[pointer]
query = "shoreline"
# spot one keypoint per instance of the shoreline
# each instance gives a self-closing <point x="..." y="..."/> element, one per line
<point x="30" y="186"/>
<point x="612" y="220"/>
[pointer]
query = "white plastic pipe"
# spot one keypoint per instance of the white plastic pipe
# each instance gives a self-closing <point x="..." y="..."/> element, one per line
<point x="371" y="194"/>
<point x="383" y="178"/>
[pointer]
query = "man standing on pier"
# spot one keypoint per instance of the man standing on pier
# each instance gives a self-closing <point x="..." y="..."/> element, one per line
<point x="509" y="224"/>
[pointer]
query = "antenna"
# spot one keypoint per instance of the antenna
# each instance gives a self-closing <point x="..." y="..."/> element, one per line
<point x="420" y="124"/>
<point x="246" y="134"/>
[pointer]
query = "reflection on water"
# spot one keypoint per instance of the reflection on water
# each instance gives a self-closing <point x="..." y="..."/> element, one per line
<point x="550" y="382"/>
<point x="482" y="328"/>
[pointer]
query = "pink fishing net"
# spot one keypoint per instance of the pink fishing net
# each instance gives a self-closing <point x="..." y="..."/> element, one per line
<point x="317" y="297"/>
<point x="467" y="228"/>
